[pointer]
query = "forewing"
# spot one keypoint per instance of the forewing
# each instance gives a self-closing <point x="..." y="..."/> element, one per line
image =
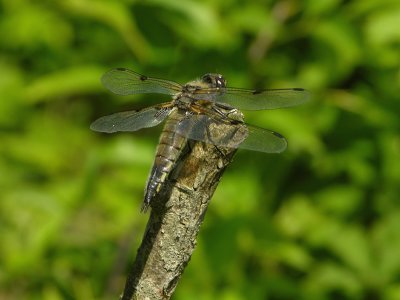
<point x="122" y="81"/>
<point x="254" y="99"/>
<point x="230" y="133"/>
<point x="131" y="120"/>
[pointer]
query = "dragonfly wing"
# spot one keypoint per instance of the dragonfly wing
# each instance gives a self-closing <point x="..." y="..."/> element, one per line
<point x="263" y="99"/>
<point x="122" y="81"/>
<point x="231" y="134"/>
<point x="263" y="140"/>
<point x="131" y="120"/>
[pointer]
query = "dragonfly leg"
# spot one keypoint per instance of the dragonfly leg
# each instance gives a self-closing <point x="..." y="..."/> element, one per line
<point x="232" y="114"/>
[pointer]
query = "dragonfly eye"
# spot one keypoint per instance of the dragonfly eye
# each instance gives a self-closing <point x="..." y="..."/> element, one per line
<point x="214" y="80"/>
<point x="207" y="79"/>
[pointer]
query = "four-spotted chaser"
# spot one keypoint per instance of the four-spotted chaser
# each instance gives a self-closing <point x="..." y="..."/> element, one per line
<point x="195" y="107"/>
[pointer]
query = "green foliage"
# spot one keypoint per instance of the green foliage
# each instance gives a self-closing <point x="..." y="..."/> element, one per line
<point x="320" y="221"/>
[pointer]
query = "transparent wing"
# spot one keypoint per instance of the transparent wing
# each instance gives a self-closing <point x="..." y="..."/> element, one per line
<point x="230" y="133"/>
<point x="255" y="99"/>
<point x="131" y="120"/>
<point x="122" y="81"/>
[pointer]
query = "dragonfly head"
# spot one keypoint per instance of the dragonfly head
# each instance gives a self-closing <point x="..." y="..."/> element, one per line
<point x="214" y="80"/>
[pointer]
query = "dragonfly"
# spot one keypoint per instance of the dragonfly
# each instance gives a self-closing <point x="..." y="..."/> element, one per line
<point x="195" y="107"/>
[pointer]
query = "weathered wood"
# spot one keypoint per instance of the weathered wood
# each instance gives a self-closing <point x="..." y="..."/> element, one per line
<point x="177" y="213"/>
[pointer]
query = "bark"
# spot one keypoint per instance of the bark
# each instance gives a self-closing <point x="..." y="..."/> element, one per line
<point x="177" y="213"/>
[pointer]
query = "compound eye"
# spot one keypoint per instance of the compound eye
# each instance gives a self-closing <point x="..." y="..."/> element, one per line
<point x="207" y="79"/>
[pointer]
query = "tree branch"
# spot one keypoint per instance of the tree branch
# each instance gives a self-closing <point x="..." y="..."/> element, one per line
<point x="177" y="213"/>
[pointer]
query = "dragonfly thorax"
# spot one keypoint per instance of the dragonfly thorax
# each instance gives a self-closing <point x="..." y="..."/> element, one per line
<point x="205" y="88"/>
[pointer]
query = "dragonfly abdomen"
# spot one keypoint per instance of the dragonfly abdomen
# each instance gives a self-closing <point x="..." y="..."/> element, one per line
<point x="168" y="151"/>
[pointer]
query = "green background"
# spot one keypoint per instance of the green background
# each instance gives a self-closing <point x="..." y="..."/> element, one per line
<point x="319" y="221"/>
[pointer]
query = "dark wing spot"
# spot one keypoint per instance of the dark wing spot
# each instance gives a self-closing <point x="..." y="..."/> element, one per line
<point x="255" y="92"/>
<point x="278" y="135"/>
<point x="121" y="69"/>
<point x="298" y="89"/>
<point x="143" y="77"/>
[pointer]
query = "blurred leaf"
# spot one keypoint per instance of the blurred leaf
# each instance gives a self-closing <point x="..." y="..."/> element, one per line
<point x="352" y="248"/>
<point x="11" y="83"/>
<point x="386" y="241"/>
<point x="341" y="39"/>
<point x="76" y="80"/>
<point x="321" y="7"/>
<point x="329" y="276"/>
<point x="382" y="36"/>
<point x="294" y="256"/>
<point x="342" y="200"/>
<point x="225" y="200"/>
<point x="31" y="227"/>
<point x="381" y="27"/>
<point x="33" y="26"/>
<point x="201" y="24"/>
<point x="116" y="15"/>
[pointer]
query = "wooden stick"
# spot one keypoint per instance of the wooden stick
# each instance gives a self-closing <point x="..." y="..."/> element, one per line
<point x="177" y="213"/>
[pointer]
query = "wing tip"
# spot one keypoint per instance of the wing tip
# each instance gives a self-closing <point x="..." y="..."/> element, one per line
<point x="98" y="128"/>
<point x="284" y="144"/>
